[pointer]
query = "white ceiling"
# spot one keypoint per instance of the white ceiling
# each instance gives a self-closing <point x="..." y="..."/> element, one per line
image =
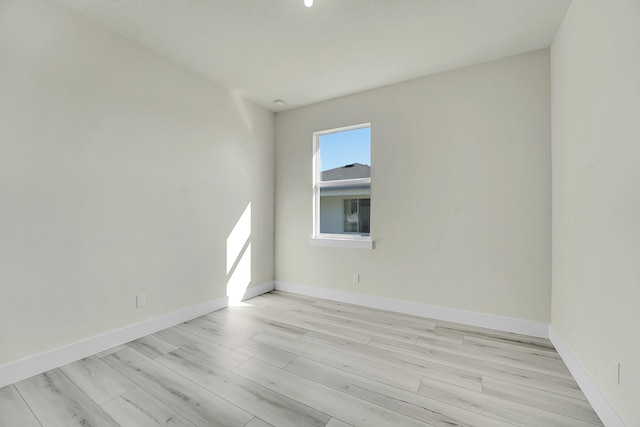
<point x="279" y="49"/>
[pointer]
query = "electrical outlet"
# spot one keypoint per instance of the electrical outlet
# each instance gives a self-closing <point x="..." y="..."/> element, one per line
<point x="141" y="300"/>
<point x="615" y="371"/>
<point x="356" y="278"/>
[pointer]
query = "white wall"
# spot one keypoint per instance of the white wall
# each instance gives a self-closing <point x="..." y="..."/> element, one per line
<point x="120" y="173"/>
<point x="460" y="191"/>
<point x="596" y="202"/>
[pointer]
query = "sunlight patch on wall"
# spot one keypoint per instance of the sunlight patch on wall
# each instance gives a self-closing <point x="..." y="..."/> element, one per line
<point x="239" y="258"/>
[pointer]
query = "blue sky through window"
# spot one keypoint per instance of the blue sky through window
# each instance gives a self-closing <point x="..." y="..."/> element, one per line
<point x="344" y="148"/>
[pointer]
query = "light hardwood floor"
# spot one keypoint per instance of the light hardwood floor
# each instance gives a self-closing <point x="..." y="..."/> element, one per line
<point x="289" y="360"/>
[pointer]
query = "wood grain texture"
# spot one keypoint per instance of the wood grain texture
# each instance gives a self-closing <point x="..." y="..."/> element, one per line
<point x="57" y="402"/>
<point x="14" y="410"/>
<point x="501" y="409"/>
<point x="257" y="422"/>
<point x="410" y="404"/>
<point x="437" y="371"/>
<point x="266" y="404"/>
<point x="139" y="408"/>
<point x="111" y="350"/>
<point x="246" y="346"/>
<point x="97" y="379"/>
<point x="354" y="411"/>
<point x="334" y="422"/>
<point x="559" y="404"/>
<point x="383" y="373"/>
<point x="204" y="349"/>
<point x="152" y="346"/>
<point x="193" y="402"/>
<point x="291" y="360"/>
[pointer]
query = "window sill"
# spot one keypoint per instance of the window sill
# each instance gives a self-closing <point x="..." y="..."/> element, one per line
<point x="342" y="242"/>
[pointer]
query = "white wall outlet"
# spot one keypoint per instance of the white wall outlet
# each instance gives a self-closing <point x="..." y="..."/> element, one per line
<point x="615" y="371"/>
<point x="356" y="278"/>
<point x="141" y="300"/>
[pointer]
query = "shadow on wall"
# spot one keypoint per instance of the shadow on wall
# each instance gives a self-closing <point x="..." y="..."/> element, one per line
<point x="239" y="258"/>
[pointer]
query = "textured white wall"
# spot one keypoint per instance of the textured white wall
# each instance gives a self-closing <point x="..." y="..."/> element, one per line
<point x="460" y="191"/>
<point x="120" y="173"/>
<point x="595" y="79"/>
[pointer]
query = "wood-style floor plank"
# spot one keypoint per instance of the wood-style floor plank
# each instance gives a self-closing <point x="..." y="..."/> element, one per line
<point x="152" y="346"/>
<point x="140" y="409"/>
<point x="285" y="303"/>
<point x="413" y="328"/>
<point x="519" y="374"/>
<point x="504" y="410"/>
<point x="291" y="360"/>
<point x="257" y="422"/>
<point x="413" y="405"/>
<point x="354" y="411"/>
<point x="355" y="325"/>
<point x="111" y="350"/>
<point x="193" y="402"/>
<point x="57" y="402"/>
<point x="502" y="345"/>
<point x="438" y="371"/>
<point x="248" y="347"/>
<point x="204" y="349"/>
<point x="220" y="323"/>
<point x="211" y="332"/>
<point x="508" y="358"/>
<point x="315" y="324"/>
<point x="232" y="317"/>
<point x="334" y="422"/>
<point x="418" y="322"/>
<point x="97" y="379"/>
<point x="528" y="375"/>
<point x="456" y="329"/>
<point x="266" y="404"/>
<point x="559" y="404"/>
<point x="14" y="410"/>
<point x="382" y="373"/>
<point x="458" y="357"/>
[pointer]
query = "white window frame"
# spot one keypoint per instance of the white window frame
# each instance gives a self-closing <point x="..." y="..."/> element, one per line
<point x="329" y="239"/>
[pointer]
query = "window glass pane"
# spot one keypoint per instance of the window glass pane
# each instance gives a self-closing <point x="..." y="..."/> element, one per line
<point x="345" y="155"/>
<point x="342" y="205"/>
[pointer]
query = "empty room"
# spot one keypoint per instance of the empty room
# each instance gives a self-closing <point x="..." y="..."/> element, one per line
<point x="319" y="213"/>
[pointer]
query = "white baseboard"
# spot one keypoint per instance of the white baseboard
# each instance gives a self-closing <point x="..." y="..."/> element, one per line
<point x="37" y="364"/>
<point x="599" y="403"/>
<point x="483" y="320"/>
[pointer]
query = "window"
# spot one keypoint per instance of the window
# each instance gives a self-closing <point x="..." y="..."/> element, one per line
<point x="342" y="186"/>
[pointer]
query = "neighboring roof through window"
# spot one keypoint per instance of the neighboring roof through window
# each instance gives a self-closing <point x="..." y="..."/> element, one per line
<point x="352" y="171"/>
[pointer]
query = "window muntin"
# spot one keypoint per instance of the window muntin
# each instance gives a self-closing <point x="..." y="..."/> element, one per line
<point x="342" y="183"/>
